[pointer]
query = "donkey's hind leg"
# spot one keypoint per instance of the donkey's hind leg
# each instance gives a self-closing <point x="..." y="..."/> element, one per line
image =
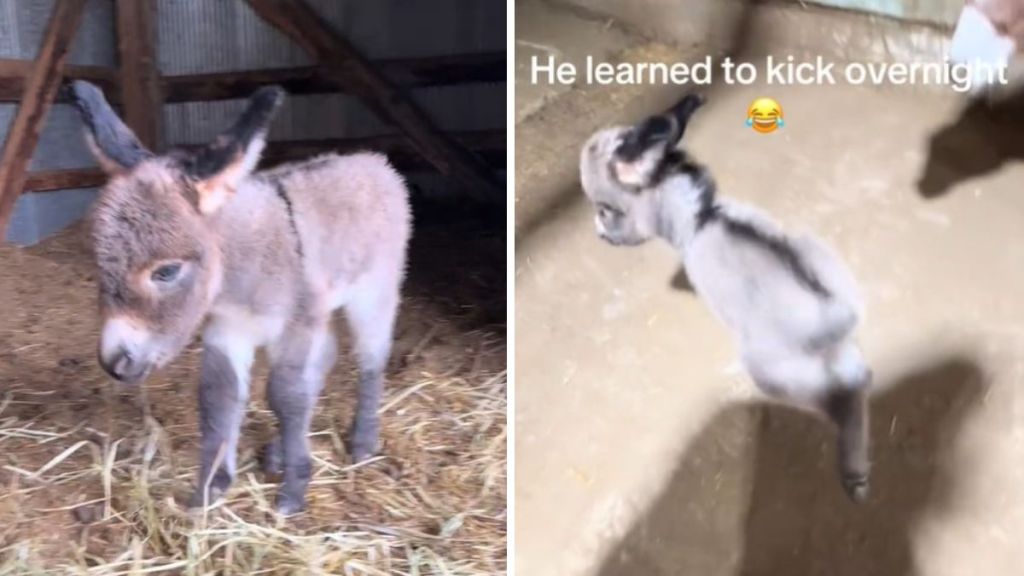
<point x="836" y="387"/>
<point x="847" y="406"/>
<point x="300" y="361"/>
<point x="370" y="313"/>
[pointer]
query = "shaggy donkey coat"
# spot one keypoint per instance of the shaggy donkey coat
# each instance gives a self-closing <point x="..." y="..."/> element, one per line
<point x="195" y="240"/>
<point x="791" y="304"/>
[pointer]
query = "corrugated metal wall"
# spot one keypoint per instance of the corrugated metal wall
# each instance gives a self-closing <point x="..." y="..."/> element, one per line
<point x="60" y="146"/>
<point x="197" y="36"/>
<point x="223" y="35"/>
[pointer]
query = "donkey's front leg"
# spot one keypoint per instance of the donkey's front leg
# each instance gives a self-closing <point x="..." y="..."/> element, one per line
<point x="223" y="393"/>
<point x="299" y="364"/>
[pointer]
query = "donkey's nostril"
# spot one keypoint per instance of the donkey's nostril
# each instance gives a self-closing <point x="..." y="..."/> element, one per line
<point x="122" y="366"/>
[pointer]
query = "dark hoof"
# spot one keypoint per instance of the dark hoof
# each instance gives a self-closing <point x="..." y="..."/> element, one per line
<point x="362" y="451"/>
<point x="288" y="505"/>
<point x="365" y="443"/>
<point x="272" y="458"/>
<point x="857" y="488"/>
<point x="200" y="500"/>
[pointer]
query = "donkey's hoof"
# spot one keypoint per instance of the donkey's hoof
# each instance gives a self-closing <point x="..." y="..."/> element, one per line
<point x="288" y="505"/>
<point x="200" y="500"/>
<point x="362" y="451"/>
<point x="272" y="458"/>
<point x="857" y="488"/>
<point x="363" y="445"/>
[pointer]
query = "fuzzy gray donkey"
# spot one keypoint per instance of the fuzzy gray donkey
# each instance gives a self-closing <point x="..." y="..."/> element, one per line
<point x="789" y="301"/>
<point x="194" y="240"/>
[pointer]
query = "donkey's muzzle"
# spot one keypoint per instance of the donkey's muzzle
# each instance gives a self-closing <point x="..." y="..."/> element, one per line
<point x="123" y="366"/>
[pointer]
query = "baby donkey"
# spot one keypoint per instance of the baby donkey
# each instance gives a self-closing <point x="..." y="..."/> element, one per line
<point x="791" y="304"/>
<point x="195" y="239"/>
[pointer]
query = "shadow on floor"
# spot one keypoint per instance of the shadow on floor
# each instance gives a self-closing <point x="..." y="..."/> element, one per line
<point x="798" y="520"/>
<point x="980" y="141"/>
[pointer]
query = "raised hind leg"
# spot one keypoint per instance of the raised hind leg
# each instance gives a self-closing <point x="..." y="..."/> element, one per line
<point x="847" y="406"/>
<point x="836" y="387"/>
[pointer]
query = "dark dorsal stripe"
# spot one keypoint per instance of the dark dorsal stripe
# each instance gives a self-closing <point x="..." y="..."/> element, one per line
<point x="283" y="195"/>
<point x="707" y="213"/>
<point x="678" y="162"/>
<point x="780" y="247"/>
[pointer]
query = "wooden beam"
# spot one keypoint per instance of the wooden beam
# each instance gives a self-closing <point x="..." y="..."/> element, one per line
<point x="489" y="144"/>
<point x="141" y="94"/>
<point x="349" y="69"/>
<point x="40" y="89"/>
<point x="47" y="180"/>
<point x="407" y="73"/>
<point x="14" y="75"/>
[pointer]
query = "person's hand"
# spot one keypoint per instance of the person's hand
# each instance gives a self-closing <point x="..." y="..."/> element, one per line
<point x="1006" y="15"/>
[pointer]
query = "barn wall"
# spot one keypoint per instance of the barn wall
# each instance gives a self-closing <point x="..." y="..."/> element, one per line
<point x="197" y="36"/>
<point x="225" y="35"/>
<point x="22" y="23"/>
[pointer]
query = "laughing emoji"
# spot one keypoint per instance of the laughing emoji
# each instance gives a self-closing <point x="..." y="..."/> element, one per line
<point x="765" y="115"/>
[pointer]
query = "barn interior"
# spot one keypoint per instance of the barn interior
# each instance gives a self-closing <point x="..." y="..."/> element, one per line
<point x="93" y="474"/>
<point x="633" y="417"/>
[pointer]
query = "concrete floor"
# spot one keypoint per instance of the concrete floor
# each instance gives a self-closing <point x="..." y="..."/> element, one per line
<point x="641" y="449"/>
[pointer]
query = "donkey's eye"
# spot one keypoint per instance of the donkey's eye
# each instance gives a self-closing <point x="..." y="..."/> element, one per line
<point x="166" y="273"/>
<point x="605" y="211"/>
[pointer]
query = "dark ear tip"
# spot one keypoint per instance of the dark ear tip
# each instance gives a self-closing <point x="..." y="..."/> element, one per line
<point x="693" y="101"/>
<point x="82" y="90"/>
<point x="682" y="111"/>
<point x="270" y="96"/>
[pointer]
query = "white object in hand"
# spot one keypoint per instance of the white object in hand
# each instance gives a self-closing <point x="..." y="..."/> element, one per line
<point x="977" y="42"/>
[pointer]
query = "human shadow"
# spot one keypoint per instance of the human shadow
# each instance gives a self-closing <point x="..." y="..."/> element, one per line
<point x="983" y="138"/>
<point x="797" y="519"/>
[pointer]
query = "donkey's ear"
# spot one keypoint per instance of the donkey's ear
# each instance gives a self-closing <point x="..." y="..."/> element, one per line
<point x="112" y="143"/>
<point x="219" y="166"/>
<point x="644" y="146"/>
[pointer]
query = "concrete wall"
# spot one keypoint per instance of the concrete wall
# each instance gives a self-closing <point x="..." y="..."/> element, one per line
<point x="710" y="24"/>
<point x="934" y="11"/>
<point x="718" y="26"/>
<point x="196" y="36"/>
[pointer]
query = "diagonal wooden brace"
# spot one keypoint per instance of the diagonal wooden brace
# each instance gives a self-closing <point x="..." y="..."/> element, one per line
<point x="40" y="91"/>
<point x="345" y="66"/>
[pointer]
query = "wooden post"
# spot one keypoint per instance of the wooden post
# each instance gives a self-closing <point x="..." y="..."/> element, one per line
<point x="141" y="93"/>
<point x="40" y="90"/>
<point x="345" y="66"/>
